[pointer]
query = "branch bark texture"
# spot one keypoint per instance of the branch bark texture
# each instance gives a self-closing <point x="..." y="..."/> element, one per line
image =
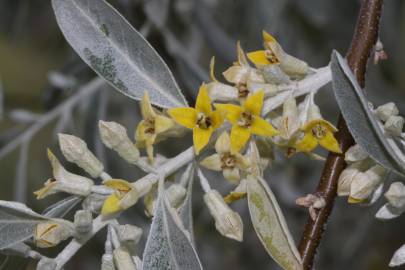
<point x="364" y="38"/>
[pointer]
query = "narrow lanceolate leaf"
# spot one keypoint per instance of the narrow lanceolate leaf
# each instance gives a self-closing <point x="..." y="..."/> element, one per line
<point x="17" y="223"/>
<point x="116" y="51"/>
<point x="270" y="225"/>
<point x="168" y="245"/>
<point x="185" y="211"/>
<point x="61" y="208"/>
<point x="363" y="125"/>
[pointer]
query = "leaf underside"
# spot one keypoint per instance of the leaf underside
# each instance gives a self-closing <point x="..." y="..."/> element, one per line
<point x="116" y="51"/>
<point x="360" y="120"/>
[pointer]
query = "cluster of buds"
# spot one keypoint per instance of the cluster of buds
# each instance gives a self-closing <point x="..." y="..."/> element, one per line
<point x="393" y="123"/>
<point x="395" y="205"/>
<point x="362" y="180"/>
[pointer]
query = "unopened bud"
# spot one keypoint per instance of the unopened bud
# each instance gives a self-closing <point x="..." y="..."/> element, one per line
<point x="83" y="222"/>
<point x="364" y="184"/>
<point x="222" y="92"/>
<point x="386" y="110"/>
<point x="227" y="222"/>
<point x="46" y="264"/>
<point x="355" y="153"/>
<point x="75" y="150"/>
<point x="115" y="137"/>
<point x="275" y="75"/>
<point x="176" y="194"/>
<point x="107" y="262"/>
<point x="51" y="233"/>
<point x="346" y="179"/>
<point x="396" y="195"/>
<point x="387" y="211"/>
<point x="94" y="202"/>
<point x="123" y="259"/>
<point x="394" y="125"/>
<point x="129" y="233"/>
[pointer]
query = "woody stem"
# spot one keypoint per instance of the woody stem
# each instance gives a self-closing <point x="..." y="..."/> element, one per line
<point x="364" y="38"/>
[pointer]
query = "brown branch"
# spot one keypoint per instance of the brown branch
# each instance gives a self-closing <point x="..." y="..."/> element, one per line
<point x="364" y="38"/>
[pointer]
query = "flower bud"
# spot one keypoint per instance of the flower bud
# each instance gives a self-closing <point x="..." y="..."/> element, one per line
<point x="115" y="137"/>
<point x="75" y="150"/>
<point x="227" y="222"/>
<point x="46" y="264"/>
<point x="94" y="202"/>
<point x="176" y="194"/>
<point x="51" y="233"/>
<point x="385" y="111"/>
<point x="396" y="195"/>
<point x="107" y="262"/>
<point x="346" y="179"/>
<point x="129" y="233"/>
<point x="387" y="211"/>
<point x="355" y="153"/>
<point x="222" y="92"/>
<point x="83" y="222"/>
<point x="364" y="184"/>
<point x="123" y="259"/>
<point x="274" y="75"/>
<point x="270" y="90"/>
<point x="394" y="125"/>
<point x="64" y="181"/>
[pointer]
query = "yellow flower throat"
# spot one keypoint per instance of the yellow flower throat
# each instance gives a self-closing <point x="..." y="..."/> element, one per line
<point x="203" y="121"/>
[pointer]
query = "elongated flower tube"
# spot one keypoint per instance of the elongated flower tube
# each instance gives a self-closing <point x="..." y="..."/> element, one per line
<point x="227" y="221"/>
<point x="64" y="181"/>
<point x="246" y="120"/>
<point x="201" y="119"/>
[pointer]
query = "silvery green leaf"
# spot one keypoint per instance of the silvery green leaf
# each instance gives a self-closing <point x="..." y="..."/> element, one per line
<point x="17" y="223"/>
<point x="61" y="208"/>
<point x="270" y="225"/>
<point x="399" y="257"/>
<point x="361" y="122"/>
<point x="168" y="245"/>
<point x="186" y="210"/>
<point x="19" y="249"/>
<point x="116" y="51"/>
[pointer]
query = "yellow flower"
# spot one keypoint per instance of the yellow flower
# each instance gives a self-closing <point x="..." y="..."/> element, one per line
<point x="271" y="55"/>
<point x="112" y="203"/>
<point x="201" y="119"/>
<point x="246" y="120"/>
<point x="229" y="163"/>
<point x="316" y="132"/>
<point x="151" y="126"/>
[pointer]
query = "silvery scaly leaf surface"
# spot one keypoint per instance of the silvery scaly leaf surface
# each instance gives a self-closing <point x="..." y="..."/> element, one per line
<point x="360" y="120"/>
<point x="186" y="210"/>
<point x="17" y="223"/>
<point x="116" y="51"/>
<point x="270" y="225"/>
<point x="168" y="245"/>
<point x="61" y="208"/>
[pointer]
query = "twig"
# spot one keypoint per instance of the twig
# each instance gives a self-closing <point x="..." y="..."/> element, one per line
<point x="84" y="91"/>
<point x="364" y="38"/>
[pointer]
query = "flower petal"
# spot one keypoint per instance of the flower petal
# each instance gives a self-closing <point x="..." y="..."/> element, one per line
<point x="140" y="134"/>
<point x="118" y="184"/>
<point x="201" y="138"/>
<point x="254" y="103"/>
<point x="239" y="137"/>
<point x="46" y="190"/>
<point x="217" y="118"/>
<point x="237" y="74"/>
<point x="212" y="162"/>
<point x="146" y="107"/>
<point x="186" y="117"/>
<point x="258" y="58"/>
<point x="232" y="175"/>
<point x="307" y="143"/>
<point x="232" y="111"/>
<point x="223" y="143"/>
<point x="149" y="147"/>
<point x="241" y="161"/>
<point x="329" y="142"/>
<point x="262" y="128"/>
<point x="203" y="102"/>
<point x="234" y="196"/>
<point x="267" y="37"/>
<point x="162" y="123"/>
<point x="111" y="205"/>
